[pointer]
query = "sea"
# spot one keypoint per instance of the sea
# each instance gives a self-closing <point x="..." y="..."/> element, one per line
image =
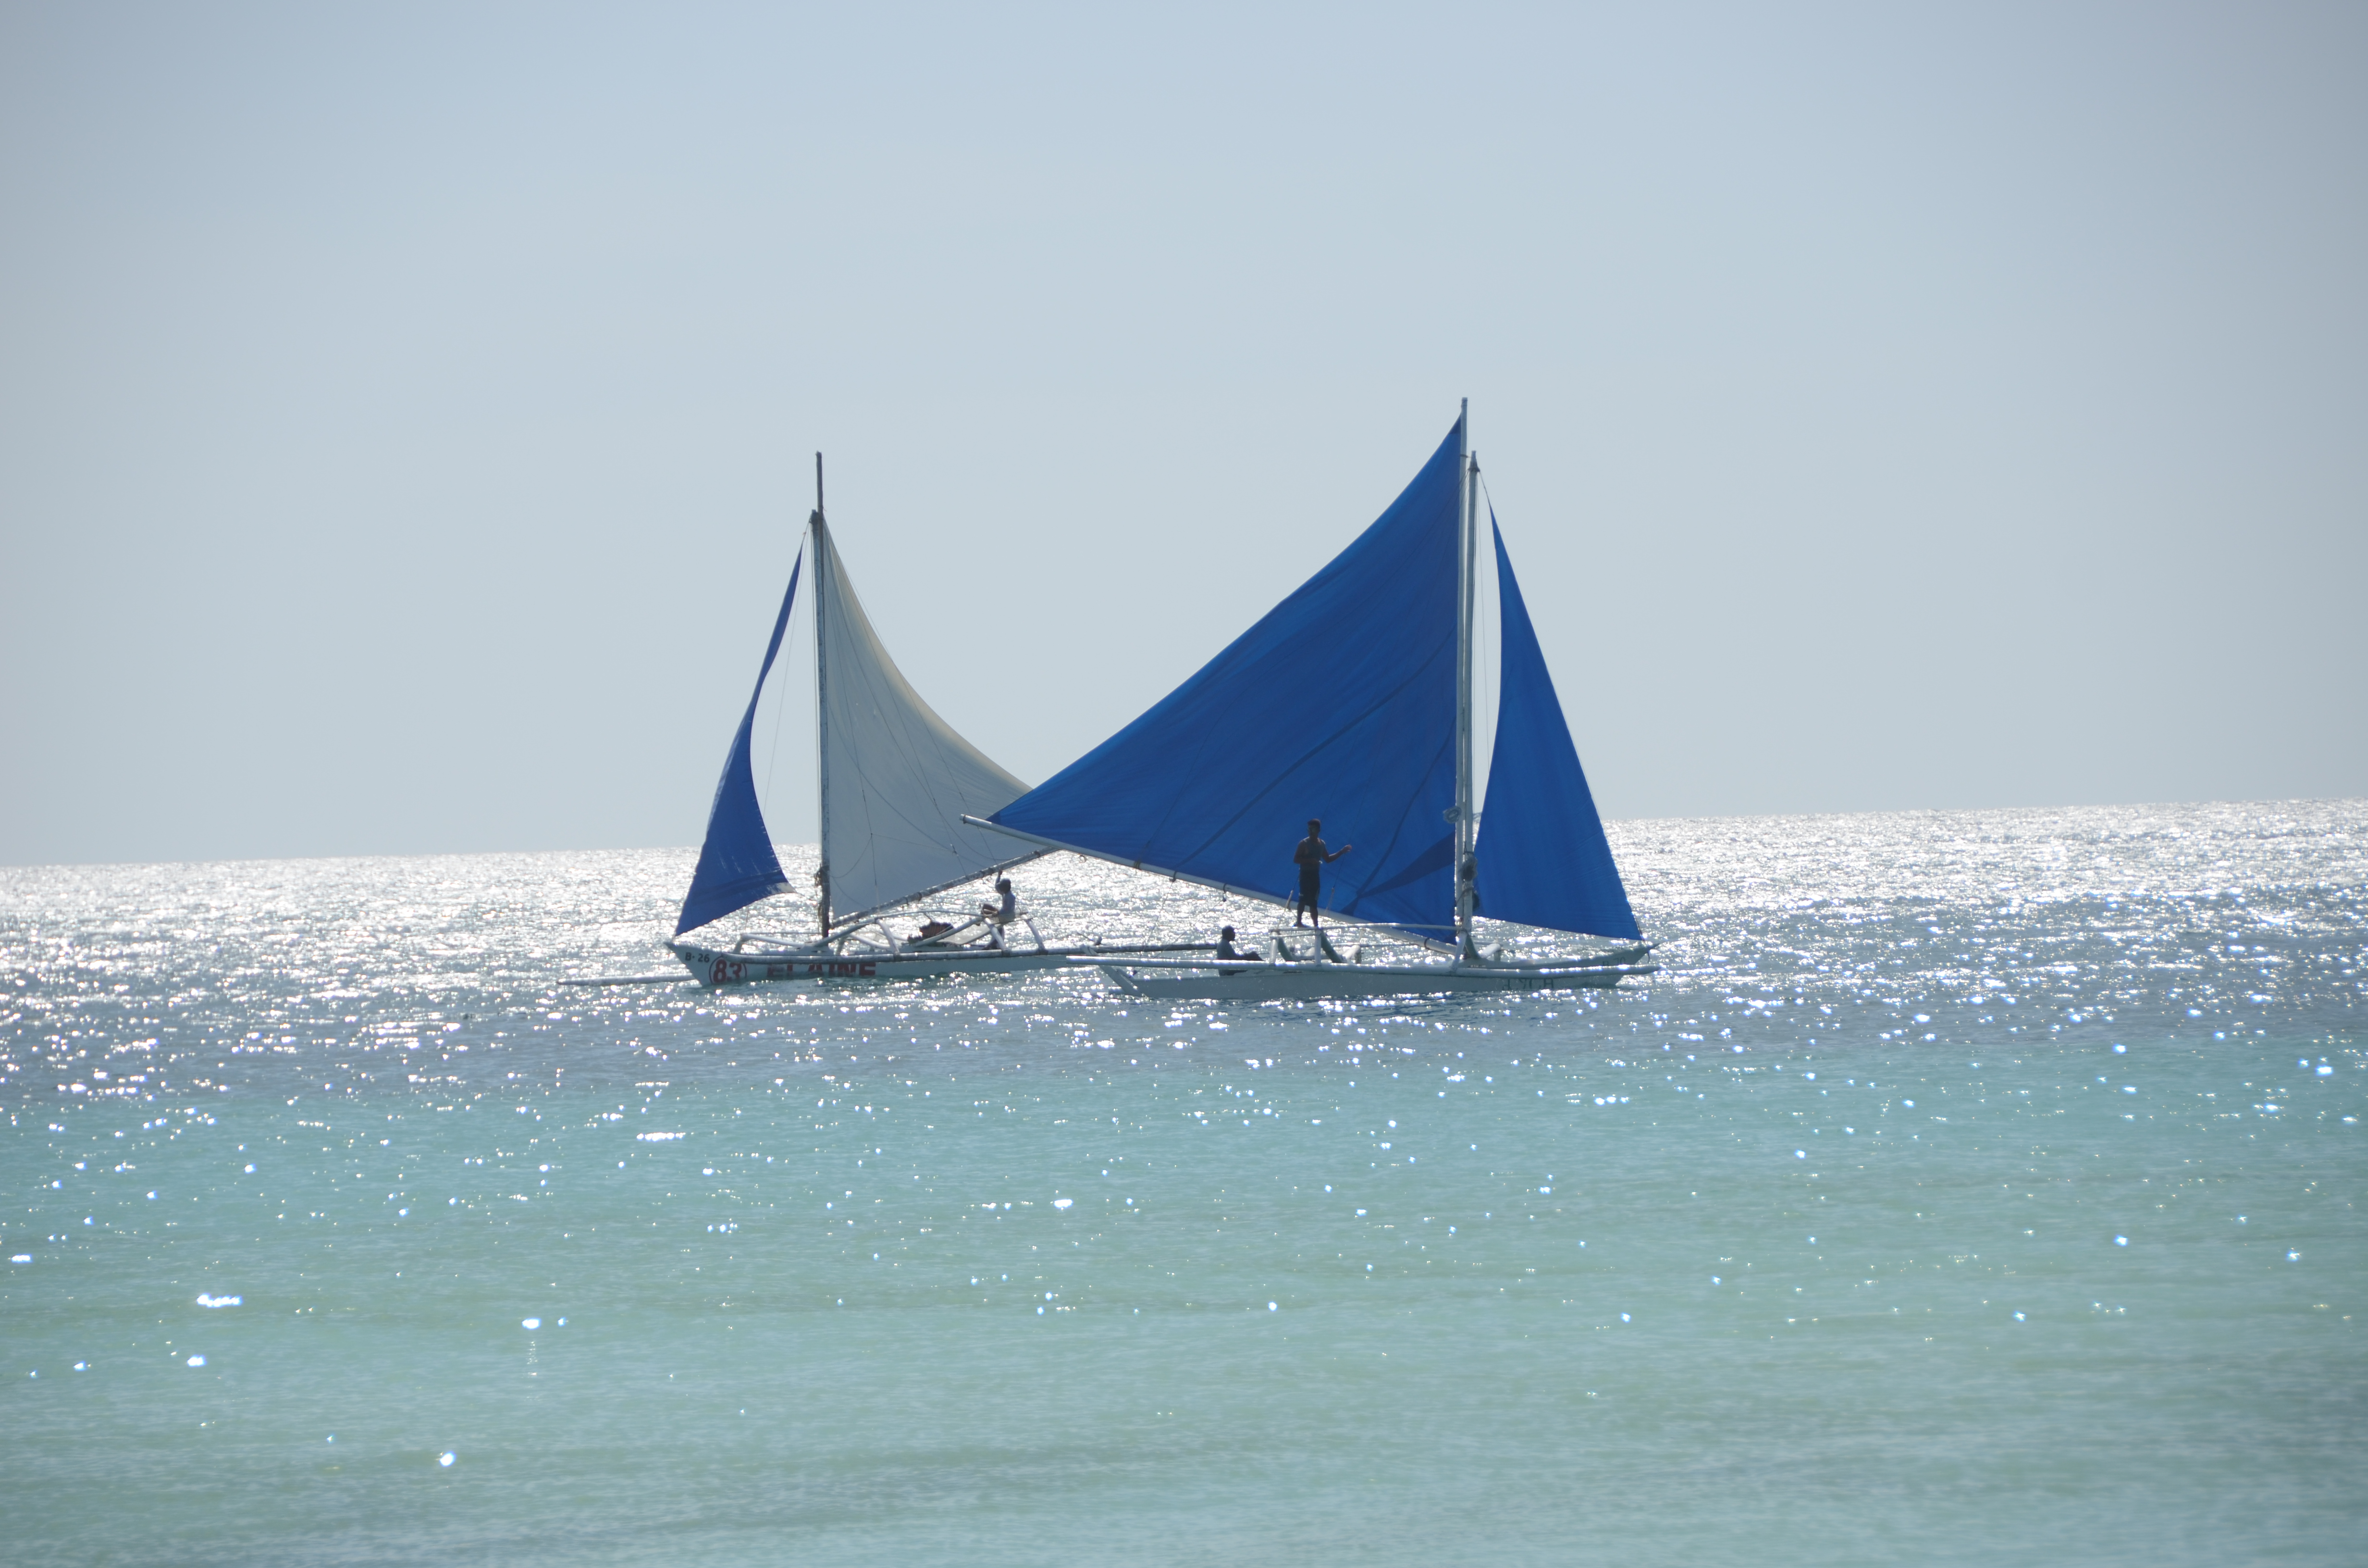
<point x="1964" y="1188"/>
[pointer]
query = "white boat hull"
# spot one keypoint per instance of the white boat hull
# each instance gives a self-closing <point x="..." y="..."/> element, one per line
<point x="1318" y="982"/>
<point x="723" y="966"/>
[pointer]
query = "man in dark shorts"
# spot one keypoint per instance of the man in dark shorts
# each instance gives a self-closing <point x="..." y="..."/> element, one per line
<point x="1312" y="857"/>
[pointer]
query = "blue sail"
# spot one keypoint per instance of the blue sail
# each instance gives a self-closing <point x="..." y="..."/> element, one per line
<point x="736" y="865"/>
<point x="1544" y="858"/>
<point x="1339" y="704"/>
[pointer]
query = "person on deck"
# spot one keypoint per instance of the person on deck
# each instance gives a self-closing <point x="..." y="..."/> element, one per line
<point x="1311" y="856"/>
<point x="999" y="915"/>
<point x="1225" y="948"/>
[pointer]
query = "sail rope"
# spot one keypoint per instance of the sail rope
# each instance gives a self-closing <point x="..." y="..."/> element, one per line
<point x="1485" y="610"/>
<point x="780" y="702"/>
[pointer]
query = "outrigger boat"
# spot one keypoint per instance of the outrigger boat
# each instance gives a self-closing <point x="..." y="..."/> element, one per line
<point x="1319" y="973"/>
<point x="896" y="783"/>
<point x="1351" y="701"/>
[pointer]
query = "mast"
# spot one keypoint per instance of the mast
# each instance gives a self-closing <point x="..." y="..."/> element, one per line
<point x="1469" y="471"/>
<point x="822" y="697"/>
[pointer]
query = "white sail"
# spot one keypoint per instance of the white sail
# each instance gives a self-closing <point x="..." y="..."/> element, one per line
<point x="896" y="780"/>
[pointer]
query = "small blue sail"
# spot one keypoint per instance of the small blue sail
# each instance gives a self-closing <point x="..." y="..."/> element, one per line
<point x="1544" y="858"/>
<point x="1339" y="704"/>
<point x="736" y="865"/>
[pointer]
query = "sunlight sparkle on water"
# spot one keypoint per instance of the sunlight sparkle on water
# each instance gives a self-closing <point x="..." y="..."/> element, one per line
<point x="719" y="1261"/>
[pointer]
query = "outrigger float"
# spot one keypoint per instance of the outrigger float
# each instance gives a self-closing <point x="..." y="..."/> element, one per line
<point x="1319" y="976"/>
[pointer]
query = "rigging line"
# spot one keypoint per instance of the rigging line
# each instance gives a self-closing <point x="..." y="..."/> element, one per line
<point x="780" y="702"/>
<point x="1492" y="604"/>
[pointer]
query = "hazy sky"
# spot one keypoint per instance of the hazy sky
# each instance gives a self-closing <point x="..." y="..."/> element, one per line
<point x="407" y="411"/>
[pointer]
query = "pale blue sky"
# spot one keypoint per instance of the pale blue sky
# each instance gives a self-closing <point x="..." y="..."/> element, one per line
<point x="406" y="413"/>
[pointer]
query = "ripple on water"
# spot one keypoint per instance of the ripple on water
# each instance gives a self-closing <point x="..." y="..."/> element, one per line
<point x="2209" y="945"/>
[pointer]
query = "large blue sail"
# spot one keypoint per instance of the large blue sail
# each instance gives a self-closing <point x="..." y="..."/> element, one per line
<point x="1339" y="704"/>
<point x="1544" y="858"/>
<point x="736" y="865"/>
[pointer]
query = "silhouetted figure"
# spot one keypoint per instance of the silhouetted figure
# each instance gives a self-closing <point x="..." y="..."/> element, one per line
<point x="1312" y="857"/>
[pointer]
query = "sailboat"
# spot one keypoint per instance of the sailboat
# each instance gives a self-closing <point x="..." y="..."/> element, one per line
<point x="1351" y="701"/>
<point x="897" y="784"/>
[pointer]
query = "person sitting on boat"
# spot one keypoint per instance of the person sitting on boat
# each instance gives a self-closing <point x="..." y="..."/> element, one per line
<point x="1001" y="913"/>
<point x="1225" y="948"/>
<point x="1311" y="856"/>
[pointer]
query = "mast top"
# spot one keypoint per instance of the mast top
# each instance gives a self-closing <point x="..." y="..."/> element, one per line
<point x="817" y="484"/>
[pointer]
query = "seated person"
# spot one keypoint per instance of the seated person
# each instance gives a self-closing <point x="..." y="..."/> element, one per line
<point x="1225" y="948"/>
<point x="1001" y="913"/>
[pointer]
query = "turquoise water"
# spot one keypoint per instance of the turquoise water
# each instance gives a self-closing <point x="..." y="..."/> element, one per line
<point x="1969" y="1187"/>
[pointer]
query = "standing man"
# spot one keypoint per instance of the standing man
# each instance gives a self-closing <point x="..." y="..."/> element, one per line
<point x="1312" y="857"/>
